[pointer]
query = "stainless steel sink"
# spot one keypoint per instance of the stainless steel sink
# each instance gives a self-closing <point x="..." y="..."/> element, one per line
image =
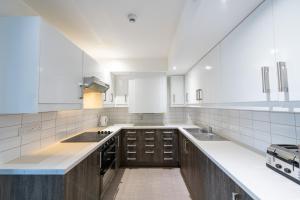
<point x="203" y="135"/>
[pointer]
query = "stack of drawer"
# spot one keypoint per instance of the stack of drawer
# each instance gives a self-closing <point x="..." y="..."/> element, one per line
<point x="170" y="146"/>
<point x="131" y="141"/>
<point x="150" y="148"/>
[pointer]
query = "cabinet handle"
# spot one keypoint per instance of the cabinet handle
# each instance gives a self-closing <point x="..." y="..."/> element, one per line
<point x="105" y="97"/>
<point x="149" y="132"/>
<point x="265" y="79"/>
<point x="131" y="158"/>
<point x="149" y="139"/>
<point x="282" y="77"/>
<point x="131" y="132"/>
<point x="131" y="145"/>
<point x="199" y="95"/>
<point x="168" y="132"/>
<point x="168" y="145"/>
<point x="187" y="97"/>
<point x="118" y="141"/>
<point x="168" y="152"/>
<point x="125" y="98"/>
<point x="168" y="139"/>
<point x="131" y="139"/>
<point x="235" y="196"/>
<point x="131" y="152"/>
<point x="149" y="152"/>
<point x="173" y="98"/>
<point x="149" y="145"/>
<point x="168" y="158"/>
<point x="185" y="145"/>
<point x="112" y="97"/>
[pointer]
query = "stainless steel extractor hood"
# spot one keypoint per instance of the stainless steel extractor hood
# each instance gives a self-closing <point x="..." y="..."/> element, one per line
<point x="94" y="84"/>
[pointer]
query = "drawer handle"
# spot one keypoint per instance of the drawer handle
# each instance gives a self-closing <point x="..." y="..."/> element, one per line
<point x="131" y="158"/>
<point x="168" y="139"/>
<point x="131" y="152"/>
<point x="167" y="131"/>
<point x="131" y="145"/>
<point x="131" y="132"/>
<point x="149" y="145"/>
<point x="168" y="145"/>
<point x="131" y="139"/>
<point x="149" y="132"/>
<point x="149" y="139"/>
<point x="168" y="158"/>
<point x="149" y="152"/>
<point x="168" y="152"/>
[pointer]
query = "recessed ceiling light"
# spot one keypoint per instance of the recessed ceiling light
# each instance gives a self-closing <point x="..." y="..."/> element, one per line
<point x="131" y="18"/>
<point x="207" y="67"/>
<point x="174" y="67"/>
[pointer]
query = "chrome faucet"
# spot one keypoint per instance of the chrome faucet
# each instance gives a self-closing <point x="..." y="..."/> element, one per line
<point x="209" y="129"/>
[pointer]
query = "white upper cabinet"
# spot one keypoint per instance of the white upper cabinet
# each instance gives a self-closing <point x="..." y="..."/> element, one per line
<point x="192" y="81"/>
<point x="148" y="94"/>
<point x="177" y="91"/>
<point x="40" y="69"/>
<point x="109" y="95"/>
<point x="121" y="90"/>
<point x="92" y="68"/>
<point x="60" y="68"/>
<point x="243" y="53"/>
<point x="287" y="40"/>
<point x="19" y="60"/>
<point x="210" y="77"/>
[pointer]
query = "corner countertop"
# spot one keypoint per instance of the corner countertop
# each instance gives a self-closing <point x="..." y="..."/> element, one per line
<point x="246" y="167"/>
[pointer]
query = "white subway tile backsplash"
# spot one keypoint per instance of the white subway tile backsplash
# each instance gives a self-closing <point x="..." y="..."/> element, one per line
<point x="32" y="137"/>
<point x="10" y="120"/>
<point x="261" y="145"/>
<point x="10" y="143"/>
<point x="30" y="118"/>
<point x="262" y="126"/>
<point x="48" y="124"/>
<point x="261" y="116"/>
<point x="29" y="148"/>
<point x="28" y="132"/>
<point x="283" y="118"/>
<point x="48" y="116"/>
<point x="297" y="117"/>
<point x="245" y="114"/>
<point x="246" y="123"/>
<point x="278" y="139"/>
<point x="283" y="130"/>
<point x="262" y="136"/>
<point x="246" y="131"/>
<point x="8" y="155"/>
<point x="10" y="131"/>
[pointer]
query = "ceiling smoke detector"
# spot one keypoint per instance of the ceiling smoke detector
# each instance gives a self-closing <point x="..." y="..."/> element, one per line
<point x="132" y="18"/>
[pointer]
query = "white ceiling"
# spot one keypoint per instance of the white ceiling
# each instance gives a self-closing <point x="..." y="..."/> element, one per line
<point x="203" y="24"/>
<point x="102" y="28"/>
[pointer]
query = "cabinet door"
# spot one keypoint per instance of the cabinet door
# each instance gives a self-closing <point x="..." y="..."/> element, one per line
<point x="121" y="90"/>
<point x="92" y="68"/>
<point x="210" y="77"/>
<point x="60" y="68"/>
<point x="109" y="95"/>
<point x="19" y="50"/>
<point x="248" y="48"/>
<point x="287" y="40"/>
<point x="177" y="90"/>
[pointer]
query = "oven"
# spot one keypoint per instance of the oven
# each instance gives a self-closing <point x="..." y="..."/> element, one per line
<point x="108" y="163"/>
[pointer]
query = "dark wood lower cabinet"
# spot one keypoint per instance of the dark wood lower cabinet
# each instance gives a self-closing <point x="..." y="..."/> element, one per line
<point x="81" y="183"/>
<point x="204" y="179"/>
<point x="149" y="148"/>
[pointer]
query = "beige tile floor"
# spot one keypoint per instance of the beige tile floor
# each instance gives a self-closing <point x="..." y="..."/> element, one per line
<point x="152" y="184"/>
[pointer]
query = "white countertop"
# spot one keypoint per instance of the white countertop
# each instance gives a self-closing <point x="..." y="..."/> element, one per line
<point x="247" y="168"/>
